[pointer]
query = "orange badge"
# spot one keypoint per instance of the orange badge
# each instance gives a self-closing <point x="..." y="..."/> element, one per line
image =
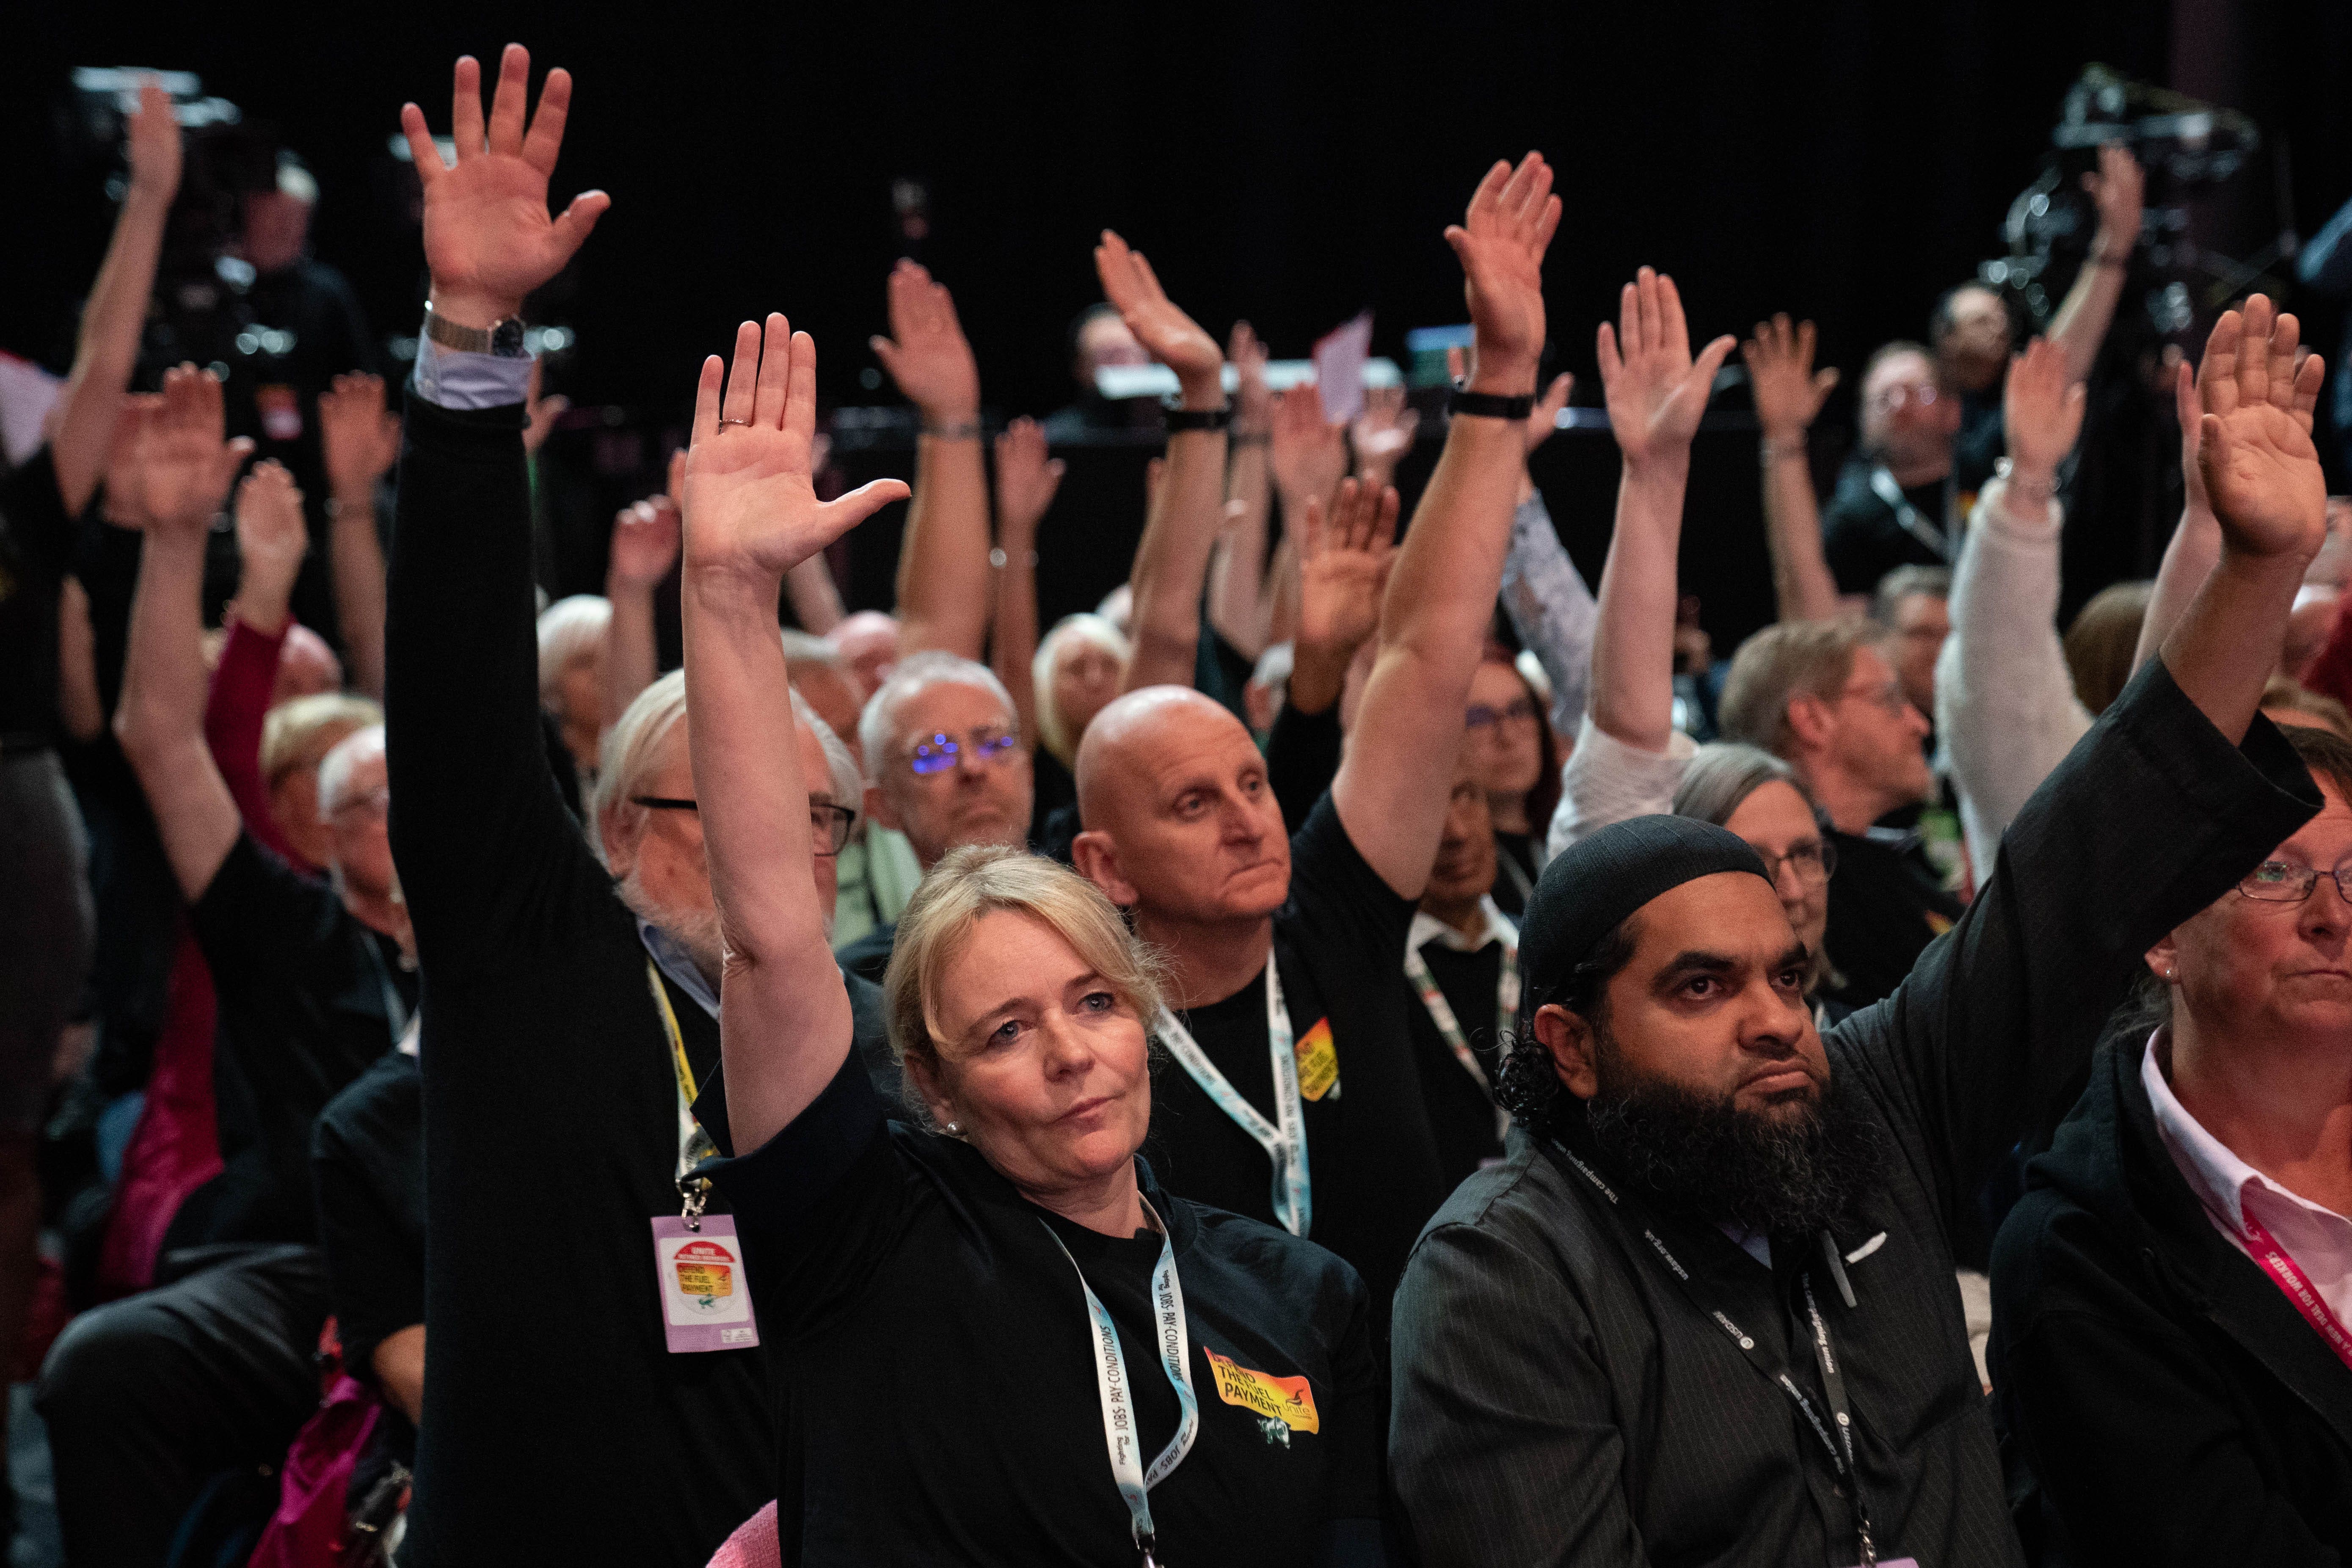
<point x="1318" y="1061"/>
<point x="706" y="1269"/>
<point x="1288" y="1400"/>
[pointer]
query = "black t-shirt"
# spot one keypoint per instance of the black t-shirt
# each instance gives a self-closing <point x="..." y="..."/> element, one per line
<point x="1302" y="758"/>
<point x="1461" y="1108"/>
<point x="367" y="1160"/>
<point x="1052" y="790"/>
<point x="1886" y="904"/>
<point x="938" y="1398"/>
<point x="306" y="997"/>
<point x="36" y="542"/>
<point x="1981" y="440"/>
<point x="1371" y="1157"/>
<point x="1864" y="539"/>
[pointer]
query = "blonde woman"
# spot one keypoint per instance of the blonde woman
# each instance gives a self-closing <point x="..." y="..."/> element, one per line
<point x="1007" y="1342"/>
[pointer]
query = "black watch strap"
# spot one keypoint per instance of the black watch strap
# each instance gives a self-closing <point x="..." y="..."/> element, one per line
<point x="1199" y="418"/>
<point x="1491" y="406"/>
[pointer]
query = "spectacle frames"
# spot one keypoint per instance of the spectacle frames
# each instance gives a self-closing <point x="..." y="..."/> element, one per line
<point x="2279" y="882"/>
<point x="1812" y="862"/>
<point x="1887" y="694"/>
<point x="1480" y="716"/>
<point x="940" y="752"/>
<point x="1895" y="397"/>
<point x="376" y="802"/>
<point x="829" y="824"/>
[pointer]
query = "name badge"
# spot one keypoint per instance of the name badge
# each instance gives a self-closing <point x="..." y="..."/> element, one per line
<point x="705" y="1299"/>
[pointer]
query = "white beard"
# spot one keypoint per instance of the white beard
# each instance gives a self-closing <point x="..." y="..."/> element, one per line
<point x="697" y="931"/>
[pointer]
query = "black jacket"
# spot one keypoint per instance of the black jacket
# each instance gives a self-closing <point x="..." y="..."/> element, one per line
<point x="2159" y="1399"/>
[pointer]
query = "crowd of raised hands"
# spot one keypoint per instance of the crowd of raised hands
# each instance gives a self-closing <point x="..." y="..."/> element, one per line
<point x="854" y="955"/>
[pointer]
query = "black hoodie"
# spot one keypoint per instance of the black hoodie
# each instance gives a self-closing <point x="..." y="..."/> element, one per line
<point x="2159" y="1399"/>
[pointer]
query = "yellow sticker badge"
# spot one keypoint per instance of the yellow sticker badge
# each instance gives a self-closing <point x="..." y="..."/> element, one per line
<point x="705" y="1272"/>
<point x="1288" y="1400"/>
<point x="1318" y="1061"/>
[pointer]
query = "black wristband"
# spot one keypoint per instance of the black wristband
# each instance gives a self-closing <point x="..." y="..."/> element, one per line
<point x="1199" y="418"/>
<point x="1491" y="406"/>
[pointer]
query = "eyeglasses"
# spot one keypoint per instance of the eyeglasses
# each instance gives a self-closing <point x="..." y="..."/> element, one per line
<point x="1811" y="862"/>
<point x="940" y="753"/>
<point x="1480" y="716"/>
<point x="377" y="802"/>
<point x="2280" y="883"/>
<point x="1895" y="397"/>
<point x="1887" y="694"/>
<point x="829" y="824"/>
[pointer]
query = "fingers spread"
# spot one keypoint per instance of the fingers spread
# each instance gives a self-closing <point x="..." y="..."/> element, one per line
<point x="578" y="219"/>
<point x="422" y="155"/>
<point x="706" y="410"/>
<point x="508" y="101"/>
<point x="800" y="392"/>
<point x="546" y="138"/>
<point x="466" y="108"/>
<point x="2216" y="371"/>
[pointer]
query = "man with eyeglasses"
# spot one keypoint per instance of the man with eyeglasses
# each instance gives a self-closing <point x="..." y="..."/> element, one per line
<point x="1897" y="501"/>
<point x="1824" y="699"/>
<point x="945" y="766"/>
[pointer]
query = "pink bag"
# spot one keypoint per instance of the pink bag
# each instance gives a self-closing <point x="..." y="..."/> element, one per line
<point x="311" y="1526"/>
<point x="175" y="1148"/>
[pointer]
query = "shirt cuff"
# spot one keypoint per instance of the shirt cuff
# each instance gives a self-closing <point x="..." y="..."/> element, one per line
<point x="451" y="378"/>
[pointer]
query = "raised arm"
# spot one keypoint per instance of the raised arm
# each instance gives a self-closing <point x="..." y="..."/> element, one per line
<point x="1241" y="581"/>
<point x="943" y="558"/>
<point x="2089" y="307"/>
<point x="1344" y="565"/>
<point x="644" y="548"/>
<point x="2196" y="542"/>
<point x="2005" y="701"/>
<point x="1172" y="560"/>
<point x="360" y="442"/>
<point x="1549" y="605"/>
<point x="1393" y="786"/>
<point x="1655" y="393"/>
<point x="185" y="468"/>
<point x="1788" y="394"/>
<point x="1026" y="479"/>
<point x="116" y="314"/>
<point x="271" y="539"/>
<point x="751" y="516"/>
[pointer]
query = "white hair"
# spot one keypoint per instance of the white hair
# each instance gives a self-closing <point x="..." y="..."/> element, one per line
<point x="336" y="768"/>
<point x="570" y="629"/>
<point x="1082" y="626"/>
<point x="634" y="746"/>
<point x="877" y="723"/>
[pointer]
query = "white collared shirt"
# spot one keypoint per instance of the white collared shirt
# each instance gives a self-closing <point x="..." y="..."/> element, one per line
<point x="1427" y="928"/>
<point x="2318" y="1239"/>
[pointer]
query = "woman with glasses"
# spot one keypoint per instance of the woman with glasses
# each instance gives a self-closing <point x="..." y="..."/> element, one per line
<point x="1512" y="748"/>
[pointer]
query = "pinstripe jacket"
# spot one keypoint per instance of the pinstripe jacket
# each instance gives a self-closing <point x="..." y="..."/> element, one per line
<point x="1557" y="1397"/>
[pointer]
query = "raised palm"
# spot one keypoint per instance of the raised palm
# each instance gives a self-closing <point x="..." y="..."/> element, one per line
<point x="1655" y="391"/>
<point x="1501" y="241"/>
<point x="2262" y="472"/>
<point x="183" y="466"/>
<point x="927" y="353"/>
<point x="750" y="507"/>
<point x="1172" y="338"/>
<point x="645" y="542"/>
<point x="271" y="536"/>
<point x="359" y="440"/>
<point x="1026" y="478"/>
<point x="1382" y="434"/>
<point x="1787" y="390"/>
<point x="489" y="240"/>
<point x="2042" y="407"/>
<point x="1343" y="566"/>
<point x="1305" y="453"/>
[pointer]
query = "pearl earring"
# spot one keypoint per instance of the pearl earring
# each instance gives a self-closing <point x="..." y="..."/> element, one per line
<point x="955" y="1129"/>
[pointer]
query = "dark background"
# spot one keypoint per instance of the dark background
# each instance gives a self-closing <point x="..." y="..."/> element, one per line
<point x="1291" y="163"/>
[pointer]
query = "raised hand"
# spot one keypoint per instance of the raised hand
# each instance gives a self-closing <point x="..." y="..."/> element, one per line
<point x="1382" y="434"/>
<point x="1343" y="568"/>
<point x="1544" y="421"/>
<point x="2261" y="470"/>
<point x="1174" y="338"/>
<point x="1780" y="376"/>
<point x="2117" y="188"/>
<point x="2040" y="412"/>
<point x="927" y="353"/>
<point x="748" y="508"/>
<point x="489" y="240"/>
<point x="271" y="539"/>
<point x="359" y="440"/>
<point x="1655" y="389"/>
<point x="645" y="545"/>
<point x="154" y="132"/>
<point x="1306" y="454"/>
<point x="1252" y="401"/>
<point x="1501" y="242"/>
<point x="1026" y="478"/>
<point x="539" y="413"/>
<point x="182" y="466"/>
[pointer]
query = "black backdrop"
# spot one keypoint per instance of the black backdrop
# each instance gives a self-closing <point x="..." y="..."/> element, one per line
<point x="1288" y="163"/>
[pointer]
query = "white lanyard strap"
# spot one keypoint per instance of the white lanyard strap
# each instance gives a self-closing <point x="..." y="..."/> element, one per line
<point x="1285" y="1140"/>
<point x="1882" y="483"/>
<point x="1119" y="1433"/>
<point x="1449" y="1028"/>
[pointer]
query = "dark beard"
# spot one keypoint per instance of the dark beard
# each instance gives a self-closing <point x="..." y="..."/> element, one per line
<point x="1704" y="1158"/>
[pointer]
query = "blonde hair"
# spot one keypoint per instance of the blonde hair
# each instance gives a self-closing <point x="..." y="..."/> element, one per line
<point x="570" y="630"/>
<point x="1780" y="664"/>
<point x="982" y="878"/>
<point x="1052" y="733"/>
<point x="300" y="732"/>
<point x="2101" y="642"/>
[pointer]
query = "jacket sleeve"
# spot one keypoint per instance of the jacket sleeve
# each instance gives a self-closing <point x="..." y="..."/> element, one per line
<point x="2150" y="818"/>
<point x="488" y="858"/>
<point x="1551" y="610"/>
<point x="2005" y="701"/>
<point x="1605" y="781"/>
<point x="235" y="707"/>
<point x="1502" y="1443"/>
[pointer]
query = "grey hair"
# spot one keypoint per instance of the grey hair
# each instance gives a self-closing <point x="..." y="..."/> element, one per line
<point x="1899" y="585"/>
<point x="336" y="768"/>
<point x="633" y="747"/>
<point x="912" y="676"/>
<point x="1724" y="774"/>
<point x="1084" y="626"/>
<point x="570" y="629"/>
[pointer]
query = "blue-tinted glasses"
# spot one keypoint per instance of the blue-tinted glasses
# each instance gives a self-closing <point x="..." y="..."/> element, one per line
<point x="940" y="753"/>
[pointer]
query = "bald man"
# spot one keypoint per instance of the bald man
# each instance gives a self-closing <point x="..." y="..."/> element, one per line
<point x="1298" y="1101"/>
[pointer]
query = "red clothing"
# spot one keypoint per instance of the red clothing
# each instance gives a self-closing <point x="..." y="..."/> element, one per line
<point x="233" y="713"/>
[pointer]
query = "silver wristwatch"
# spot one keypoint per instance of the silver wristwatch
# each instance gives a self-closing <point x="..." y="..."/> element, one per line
<point x="503" y="338"/>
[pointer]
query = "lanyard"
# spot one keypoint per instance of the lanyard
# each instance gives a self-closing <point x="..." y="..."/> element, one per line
<point x="694" y="1145"/>
<point x="1882" y="483"/>
<point x="1120" y="1432"/>
<point x="1839" y="1447"/>
<point x="2290" y="1278"/>
<point x="1449" y="1028"/>
<point x="1284" y="1144"/>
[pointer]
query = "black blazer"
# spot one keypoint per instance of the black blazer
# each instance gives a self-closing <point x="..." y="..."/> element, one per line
<point x="2159" y="1399"/>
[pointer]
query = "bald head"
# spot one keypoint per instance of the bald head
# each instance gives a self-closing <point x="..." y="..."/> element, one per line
<point x="1133" y="731"/>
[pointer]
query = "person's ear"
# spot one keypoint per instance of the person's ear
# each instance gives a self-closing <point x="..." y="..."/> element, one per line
<point x="619" y="837"/>
<point x="2164" y="958"/>
<point x="1572" y="1043"/>
<point x="925" y="1078"/>
<point x="1810" y="720"/>
<point x="1096" y="855"/>
<point x="878" y="810"/>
